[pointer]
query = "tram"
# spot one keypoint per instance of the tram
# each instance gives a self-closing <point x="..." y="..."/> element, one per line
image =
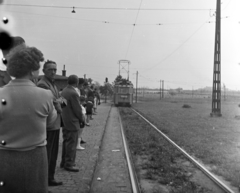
<point x="123" y="93"/>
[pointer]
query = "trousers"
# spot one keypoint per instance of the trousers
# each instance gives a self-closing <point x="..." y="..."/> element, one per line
<point x="52" y="152"/>
<point x="70" y="140"/>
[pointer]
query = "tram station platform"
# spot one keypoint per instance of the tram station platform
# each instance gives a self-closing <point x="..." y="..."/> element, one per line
<point x="103" y="167"/>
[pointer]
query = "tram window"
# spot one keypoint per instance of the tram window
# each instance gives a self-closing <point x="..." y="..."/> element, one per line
<point x="123" y="90"/>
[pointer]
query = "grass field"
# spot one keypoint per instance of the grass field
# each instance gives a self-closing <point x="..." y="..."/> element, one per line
<point x="159" y="166"/>
<point x="215" y="141"/>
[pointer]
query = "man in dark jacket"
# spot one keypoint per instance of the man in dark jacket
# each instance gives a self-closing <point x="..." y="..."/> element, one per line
<point x="47" y="82"/>
<point x="72" y="116"/>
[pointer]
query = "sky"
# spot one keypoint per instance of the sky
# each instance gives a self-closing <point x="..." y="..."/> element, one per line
<point x="170" y="40"/>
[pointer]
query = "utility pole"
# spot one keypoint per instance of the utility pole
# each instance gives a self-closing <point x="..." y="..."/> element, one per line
<point x="136" y="85"/>
<point x="106" y="91"/>
<point x="216" y="89"/>
<point x="162" y="88"/>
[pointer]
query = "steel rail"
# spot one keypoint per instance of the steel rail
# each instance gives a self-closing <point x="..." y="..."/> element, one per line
<point x="195" y="162"/>
<point x="133" y="177"/>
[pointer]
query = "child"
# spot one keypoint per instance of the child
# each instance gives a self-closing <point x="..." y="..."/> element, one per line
<point x="89" y="107"/>
<point x="94" y="105"/>
<point x="82" y="124"/>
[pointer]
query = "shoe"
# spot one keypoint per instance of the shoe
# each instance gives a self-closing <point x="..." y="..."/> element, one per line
<point x="54" y="183"/>
<point x="72" y="169"/>
<point x="82" y="142"/>
<point x="80" y="147"/>
<point x="87" y="124"/>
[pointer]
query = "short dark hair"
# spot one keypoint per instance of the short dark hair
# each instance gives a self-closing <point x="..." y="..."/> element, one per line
<point x="90" y="99"/>
<point x="73" y="79"/>
<point x="15" y="41"/>
<point x="81" y="81"/>
<point x="82" y="98"/>
<point x="48" y="62"/>
<point x="22" y="60"/>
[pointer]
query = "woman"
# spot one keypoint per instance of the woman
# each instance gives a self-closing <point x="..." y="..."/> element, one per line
<point x="25" y="110"/>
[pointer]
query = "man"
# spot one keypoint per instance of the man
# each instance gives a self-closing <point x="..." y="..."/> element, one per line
<point x="4" y="76"/>
<point x="90" y="92"/>
<point x="47" y="82"/>
<point x="81" y="87"/>
<point x="82" y="93"/>
<point x="72" y="116"/>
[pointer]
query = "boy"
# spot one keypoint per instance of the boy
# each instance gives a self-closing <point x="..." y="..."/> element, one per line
<point x="89" y="107"/>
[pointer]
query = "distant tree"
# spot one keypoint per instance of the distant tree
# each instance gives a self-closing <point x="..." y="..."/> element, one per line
<point x="97" y="84"/>
<point x="172" y="92"/>
<point x="179" y="90"/>
<point x="107" y="89"/>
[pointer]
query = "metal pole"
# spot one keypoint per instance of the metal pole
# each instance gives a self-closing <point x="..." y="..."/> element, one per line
<point x="162" y="88"/>
<point x="216" y="89"/>
<point x="105" y="93"/>
<point x="136" y="85"/>
<point x="128" y="70"/>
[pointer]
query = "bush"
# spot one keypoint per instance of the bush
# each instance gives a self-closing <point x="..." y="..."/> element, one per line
<point x="186" y="106"/>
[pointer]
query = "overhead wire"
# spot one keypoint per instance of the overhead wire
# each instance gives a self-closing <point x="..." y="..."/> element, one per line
<point x="103" y="8"/>
<point x="133" y="30"/>
<point x="227" y="5"/>
<point x="174" y="82"/>
<point x="164" y="59"/>
<point x="124" y="24"/>
<point x="106" y="22"/>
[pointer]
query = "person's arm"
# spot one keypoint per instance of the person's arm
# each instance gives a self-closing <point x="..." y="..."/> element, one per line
<point x="52" y="113"/>
<point x="56" y="102"/>
<point x="77" y="109"/>
<point x="43" y="86"/>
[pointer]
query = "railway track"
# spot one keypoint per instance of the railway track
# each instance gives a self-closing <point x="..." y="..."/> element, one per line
<point x="134" y="181"/>
<point x="133" y="176"/>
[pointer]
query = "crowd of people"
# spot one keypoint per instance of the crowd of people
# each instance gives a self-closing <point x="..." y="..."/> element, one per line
<point x="32" y="111"/>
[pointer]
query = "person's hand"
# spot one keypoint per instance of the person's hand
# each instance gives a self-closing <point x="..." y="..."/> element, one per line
<point x="62" y="100"/>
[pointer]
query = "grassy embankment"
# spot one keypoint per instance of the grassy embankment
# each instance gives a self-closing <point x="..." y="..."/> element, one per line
<point x="158" y="164"/>
<point x="213" y="140"/>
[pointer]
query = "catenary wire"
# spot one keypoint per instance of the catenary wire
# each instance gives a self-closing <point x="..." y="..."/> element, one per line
<point x="108" y="22"/>
<point x="176" y="48"/>
<point x="103" y="8"/>
<point x="133" y="30"/>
